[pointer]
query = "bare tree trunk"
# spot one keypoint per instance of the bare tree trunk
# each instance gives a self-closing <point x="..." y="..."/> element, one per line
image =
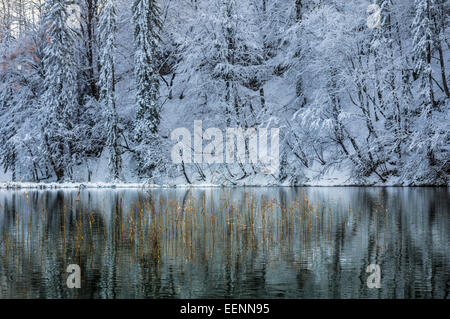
<point x="298" y="10"/>
<point x="443" y="74"/>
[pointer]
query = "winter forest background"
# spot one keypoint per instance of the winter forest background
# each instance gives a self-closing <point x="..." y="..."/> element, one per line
<point x="90" y="90"/>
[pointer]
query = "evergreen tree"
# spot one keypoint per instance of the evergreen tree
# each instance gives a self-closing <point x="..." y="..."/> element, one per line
<point x="427" y="137"/>
<point x="146" y="15"/>
<point x="59" y="103"/>
<point x="8" y="154"/>
<point x="422" y="43"/>
<point x="107" y="84"/>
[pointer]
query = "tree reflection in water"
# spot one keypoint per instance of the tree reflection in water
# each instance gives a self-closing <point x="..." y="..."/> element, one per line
<point x="220" y="243"/>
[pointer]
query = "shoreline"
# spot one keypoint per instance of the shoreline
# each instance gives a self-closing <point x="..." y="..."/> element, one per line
<point x="69" y="186"/>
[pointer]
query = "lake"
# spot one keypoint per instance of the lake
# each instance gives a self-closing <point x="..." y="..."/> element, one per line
<point x="226" y="243"/>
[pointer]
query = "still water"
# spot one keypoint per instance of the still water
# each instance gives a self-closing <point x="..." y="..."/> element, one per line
<point x="226" y="243"/>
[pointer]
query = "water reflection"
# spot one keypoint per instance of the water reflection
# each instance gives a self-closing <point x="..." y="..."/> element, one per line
<point x="226" y="243"/>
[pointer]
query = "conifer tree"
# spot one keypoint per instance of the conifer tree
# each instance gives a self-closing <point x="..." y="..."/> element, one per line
<point x="422" y="43"/>
<point x="146" y="16"/>
<point x="107" y="84"/>
<point x="423" y="31"/>
<point x="59" y="101"/>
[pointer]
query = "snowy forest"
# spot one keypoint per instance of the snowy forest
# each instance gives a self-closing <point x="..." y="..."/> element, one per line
<point x="91" y="90"/>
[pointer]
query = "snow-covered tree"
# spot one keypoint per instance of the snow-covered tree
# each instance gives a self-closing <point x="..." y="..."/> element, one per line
<point x="422" y="45"/>
<point x="429" y="139"/>
<point x="107" y="84"/>
<point x="147" y="21"/>
<point x="59" y="101"/>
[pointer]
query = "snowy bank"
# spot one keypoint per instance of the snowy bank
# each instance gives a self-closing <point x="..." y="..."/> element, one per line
<point x="319" y="183"/>
<point x="50" y="186"/>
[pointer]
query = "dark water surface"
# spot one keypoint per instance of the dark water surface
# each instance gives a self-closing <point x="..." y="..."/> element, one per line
<point x="221" y="243"/>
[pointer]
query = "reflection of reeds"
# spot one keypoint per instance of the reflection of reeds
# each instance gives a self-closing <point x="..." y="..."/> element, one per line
<point x="156" y="228"/>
